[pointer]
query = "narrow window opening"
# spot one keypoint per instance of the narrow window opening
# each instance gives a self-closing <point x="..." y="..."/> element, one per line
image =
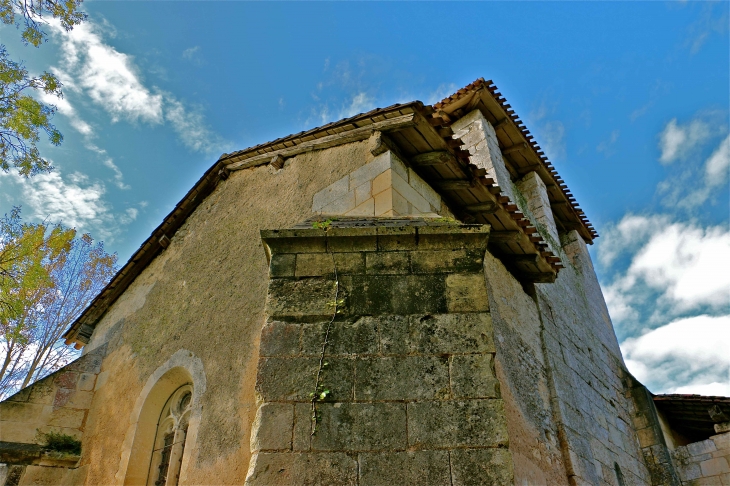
<point x="169" y="445"/>
<point x="619" y="474"/>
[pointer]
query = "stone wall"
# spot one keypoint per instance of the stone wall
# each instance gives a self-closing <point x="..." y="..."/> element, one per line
<point x="407" y="392"/>
<point x="384" y="187"/>
<point x="205" y="293"/>
<point x="58" y="403"/>
<point x="704" y="463"/>
<point x="557" y="355"/>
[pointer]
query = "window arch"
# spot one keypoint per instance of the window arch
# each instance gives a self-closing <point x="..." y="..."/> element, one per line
<point x="169" y="444"/>
<point x="169" y="402"/>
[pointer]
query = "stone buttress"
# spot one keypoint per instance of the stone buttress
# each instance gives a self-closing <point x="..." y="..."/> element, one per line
<point x="407" y="391"/>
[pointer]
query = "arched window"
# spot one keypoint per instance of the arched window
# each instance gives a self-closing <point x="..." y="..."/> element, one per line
<point x="169" y="444"/>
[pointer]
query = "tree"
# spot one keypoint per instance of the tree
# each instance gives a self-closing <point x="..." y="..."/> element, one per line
<point x="22" y="117"/>
<point x="47" y="278"/>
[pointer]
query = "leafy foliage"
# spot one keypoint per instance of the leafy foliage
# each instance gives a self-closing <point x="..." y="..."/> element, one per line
<point x="56" y="441"/>
<point x="22" y="117"/>
<point x="47" y="277"/>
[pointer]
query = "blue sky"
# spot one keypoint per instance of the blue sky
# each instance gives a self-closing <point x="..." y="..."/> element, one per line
<point x="629" y="100"/>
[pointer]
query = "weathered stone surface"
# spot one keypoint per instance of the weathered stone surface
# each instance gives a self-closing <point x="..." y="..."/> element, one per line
<point x="463" y="423"/>
<point x="448" y="237"/>
<point x="306" y="469"/>
<point x="308" y="298"/>
<point x="346" y="337"/>
<point x="715" y="467"/>
<point x="280" y="339"/>
<point x="701" y="447"/>
<point x="397" y="294"/>
<point x="388" y="263"/>
<point x="450" y="333"/>
<point x="393" y="331"/>
<point x="402" y="378"/>
<point x="24" y="412"/>
<point x="404" y="468"/>
<point x="481" y="467"/>
<point x="350" y="263"/>
<point x="293" y="379"/>
<point x="302" y="434"/>
<point x="472" y="376"/>
<point x="272" y="427"/>
<point x="466" y="293"/>
<point x="315" y="265"/>
<point x="67" y="417"/>
<point x="447" y="261"/>
<point x="282" y="265"/>
<point x="348" y="240"/>
<point x="360" y="427"/>
<point x="86" y="381"/>
<point x="391" y="238"/>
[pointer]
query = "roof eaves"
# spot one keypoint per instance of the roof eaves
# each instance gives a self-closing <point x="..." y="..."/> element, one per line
<point x="491" y="88"/>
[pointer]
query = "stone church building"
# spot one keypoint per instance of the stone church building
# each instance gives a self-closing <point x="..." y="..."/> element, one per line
<point x="403" y="297"/>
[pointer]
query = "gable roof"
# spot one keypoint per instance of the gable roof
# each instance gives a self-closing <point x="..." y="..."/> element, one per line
<point x="420" y="134"/>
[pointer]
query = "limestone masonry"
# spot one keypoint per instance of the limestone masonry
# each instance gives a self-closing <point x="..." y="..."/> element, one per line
<point x="400" y="297"/>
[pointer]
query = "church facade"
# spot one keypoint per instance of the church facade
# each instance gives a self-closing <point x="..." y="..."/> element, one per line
<point x="400" y="297"/>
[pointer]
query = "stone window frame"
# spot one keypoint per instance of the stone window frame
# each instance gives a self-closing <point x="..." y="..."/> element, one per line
<point x="183" y="368"/>
<point x="169" y="444"/>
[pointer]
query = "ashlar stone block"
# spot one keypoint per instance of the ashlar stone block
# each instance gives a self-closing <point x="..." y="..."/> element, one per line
<point x="715" y="467"/>
<point x="401" y="468"/>
<point x="308" y="298"/>
<point x="457" y="423"/>
<point x="282" y="265"/>
<point x="472" y="376"/>
<point x="360" y="427"/>
<point x="450" y="333"/>
<point x="397" y="294"/>
<point x="293" y="379"/>
<point x="447" y="261"/>
<point x="481" y="467"/>
<point x="280" y="339"/>
<point x="272" y="427"/>
<point x="402" y="378"/>
<point x="466" y="293"/>
<point x="306" y="469"/>
<point x="388" y="263"/>
<point x="383" y="187"/>
<point x="346" y="337"/>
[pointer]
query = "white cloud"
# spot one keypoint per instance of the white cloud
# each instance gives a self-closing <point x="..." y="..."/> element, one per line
<point x="129" y="215"/>
<point x="606" y="145"/>
<point x="108" y="77"/>
<point x="112" y="81"/>
<point x="708" y="23"/>
<point x="441" y="92"/>
<point x="65" y="108"/>
<point x="75" y="203"/>
<point x="118" y="177"/>
<point x="361" y="103"/>
<point x="191" y="52"/>
<point x="552" y="136"/>
<point x="677" y="141"/>
<point x="688" y="355"/>
<point x="676" y="267"/>
<point x="716" y="167"/>
<point x="73" y="200"/>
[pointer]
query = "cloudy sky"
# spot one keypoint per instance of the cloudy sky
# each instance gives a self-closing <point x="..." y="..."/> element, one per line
<point x="629" y="100"/>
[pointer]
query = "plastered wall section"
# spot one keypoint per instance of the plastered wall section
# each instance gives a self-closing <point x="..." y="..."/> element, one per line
<point x="205" y="293"/>
<point x="383" y="187"/>
<point x="704" y="463"/>
<point x="58" y="403"/>
<point x="557" y="350"/>
<point x="410" y="393"/>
